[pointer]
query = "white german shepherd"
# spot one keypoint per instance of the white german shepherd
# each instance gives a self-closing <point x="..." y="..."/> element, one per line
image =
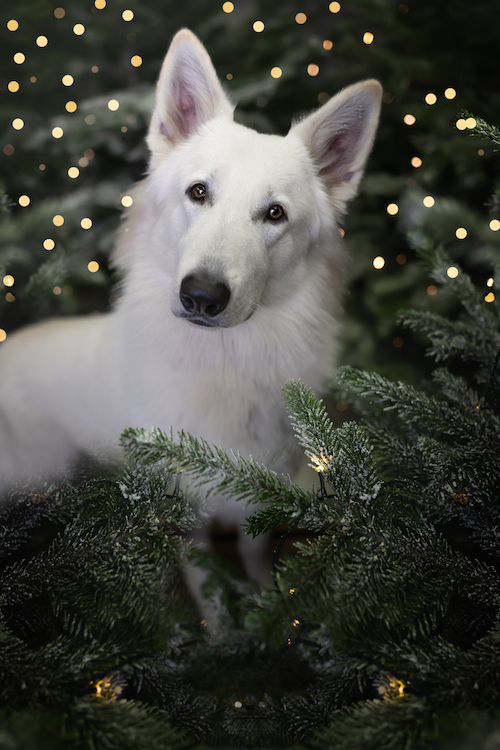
<point x="231" y="254"/>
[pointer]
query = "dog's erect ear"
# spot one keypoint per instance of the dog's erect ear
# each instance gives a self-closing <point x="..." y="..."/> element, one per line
<point x="188" y="93"/>
<point x="339" y="137"/>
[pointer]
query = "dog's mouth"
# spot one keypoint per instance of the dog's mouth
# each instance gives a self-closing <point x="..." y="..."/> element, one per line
<point x="204" y="322"/>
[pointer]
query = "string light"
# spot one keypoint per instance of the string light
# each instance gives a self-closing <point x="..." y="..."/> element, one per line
<point x="409" y="119"/>
<point x="57" y="132"/>
<point x="12" y="25"/>
<point x="78" y="29"/>
<point x="334" y="7"/>
<point x="291" y="591"/>
<point x="71" y="106"/>
<point x="67" y="80"/>
<point x="33" y="79"/>
<point x="93" y="266"/>
<point x="300" y="18"/>
<point x="490" y="282"/>
<point x="416" y="162"/>
<point x="24" y="200"/>
<point x="428" y="201"/>
<point x="136" y="60"/>
<point x="450" y="93"/>
<point x="276" y="72"/>
<point x="3" y="335"/>
<point x="48" y="244"/>
<point x="56" y="290"/>
<point x="58" y="220"/>
<point x="460" y="124"/>
<point x="392" y="209"/>
<point x="8" y="280"/>
<point x="322" y="462"/>
<point x="228" y="7"/>
<point x="113" y="104"/>
<point x="73" y="172"/>
<point x="313" y="69"/>
<point x="41" y="41"/>
<point x="127" y="201"/>
<point x="59" y="12"/>
<point x="86" y="224"/>
<point x="327" y="44"/>
<point x="238" y="704"/>
<point x="378" y="262"/>
<point x="9" y="297"/>
<point x="13" y="86"/>
<point x="261" y="704"/>
<point x="19" y="58"/>
<point x="430" y="99"/>
<point x="431" y="290"/>
<point x="295" y="623"/>
<point x="128" y="15"/>
<point x="470" y="123"/>
<point x="461" y="233"/>
<point x="494" y="225"/>
<point x="489" y="297"/>
<point x="258" y="26"/>
<point x="94" y="69"/>
<point x="368" y="37"/>
<point x="100" y="4"/>
<point x="452" y="272"/>
<point x="17" y="123"/>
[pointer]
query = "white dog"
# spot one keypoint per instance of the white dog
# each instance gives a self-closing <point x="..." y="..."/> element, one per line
<point x="231" y="254"/>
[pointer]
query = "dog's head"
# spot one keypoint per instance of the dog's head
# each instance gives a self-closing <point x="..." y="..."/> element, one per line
<point x="239" y="212"/>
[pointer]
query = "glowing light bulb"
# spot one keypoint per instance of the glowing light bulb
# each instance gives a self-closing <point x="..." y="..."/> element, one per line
<point x="430" y="99"/>
<point x="392" y="209"/>
<point x="19" y="58"/>
<point x="416" y="162"/>
<point x="24" y="200"/>
<point x="41" y="41"/>
<point x="490" y="282"/>
<point x="86" y="223"/>
<point x="258" y="26"/>
<point x="276" y="72"/>
<point x="128" y="15"/>
<point x="368" y="37"/>
<point x="48" y="244"/>
<point x="378" y="262"/>
<point x="67" y="80"/>
<point x="58" y="220"/>
<point x="8" y="280"/>
<point x="409" y="119"/>
<point x="12" y="25"/>
<point x="3" y="335"/>
<point x="452" y="272"/>
<point x="489" y="297"/>
<point x="113" y="104"/>
<point x="494" y="225"/>
<point x="78" y="29"/>
<point x="461" y="233"/>
<point x="71" y="106"/>
<point x="334" y="7"/>
<point x="428" y="201"/>
<point x="127" y="201"/>
<point x="17" y="123"/>
<point x="73" y="172"/>
<point x="313" y="69"/>
<point x="450" y="93"/>
<point x="228" y="7"/>
<point x="100" y="4"/>
<point x="93" y="266"/>
<point x="57" y="132"/>
<point x="327" y="44"/>
<point x="300" y="18"/>
<point x="136" y="60"/>
<point x="460" y="124"/>
<point x="238" y="704"/>
<point x="470" y="123"/>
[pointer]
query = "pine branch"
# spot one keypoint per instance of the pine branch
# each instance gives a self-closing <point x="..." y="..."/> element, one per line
<point x="481" y="129"/>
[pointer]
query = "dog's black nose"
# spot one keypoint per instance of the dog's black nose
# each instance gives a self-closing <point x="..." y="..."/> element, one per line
<point x="202" y="294"/>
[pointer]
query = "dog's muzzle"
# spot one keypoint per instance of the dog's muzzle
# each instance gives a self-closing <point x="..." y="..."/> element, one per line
<point x="203" y="298"/>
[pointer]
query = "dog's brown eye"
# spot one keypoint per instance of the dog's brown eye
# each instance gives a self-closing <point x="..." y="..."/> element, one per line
<point x="276" y="213"/>
<point x="198" y="191"/>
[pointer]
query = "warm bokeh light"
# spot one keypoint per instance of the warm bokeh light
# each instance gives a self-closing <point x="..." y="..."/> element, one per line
<point x="409" y="119"/>
<point x="19" y="58"/>
<point x="460" y="124"/>
<point x="78" y="29"/>
<point x="300" y="18"/>
<point x="24" y="200"/>
<point x="86" y="223"/>
<point x="334" y="7"/>
<point x="8" y="280"/>
<point x="452" y="272"/>
<point x="378" y="262"/>
<point x="401" y="259"/>
<point x="13" y="86"/>
<point x="71" y="106"/>
<point x="68" y="80"/>
<point x="17" y="123"/>
<point x="59" y="12"/>
<point x="258" y="26"/>
<point x="368" y="37"/>
<point x="428" y="201"/>
<point x="41" y="41"/>
<point x="450" y="93"/>
<point x="113" y="104"/>
<point x="313" y="69"/>
<point x="128" y="15"/>
<point x="470" y="123"/>
<point x="392" y="209"/>
<point x="327" y="44"/>
<point x="100" y="4"/>
<point x="490" y="281"/>
<point x="3" y="335"/>
<point x="489" y="297"/>
<point x="136" y="61"/>
<point x="430" y="99"/>
<point x="416" y="162"/>
<point x="58" y="220"/>
<point x="127" y="201"/>
<point x="228" y="7"/>
<point x="494" y="225"/>
<point x="73" y="172"/>
<point x="461" y="233"/>
<point x="431" y="290"/>
<point x="49" y="244"/>
<point x="57" y="132"/>
<point x="93" y="266"/>
<point x="12" y="25"/>
<point x="276" y="72"/>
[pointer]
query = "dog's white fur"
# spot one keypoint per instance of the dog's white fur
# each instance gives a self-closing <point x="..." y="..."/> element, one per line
<point x="67" y="385"/>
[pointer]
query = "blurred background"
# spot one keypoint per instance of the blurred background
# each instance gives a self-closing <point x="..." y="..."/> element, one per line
<point x="77" y="86"/>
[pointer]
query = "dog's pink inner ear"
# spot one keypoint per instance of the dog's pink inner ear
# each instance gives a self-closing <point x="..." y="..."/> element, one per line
<point x="184" y="114"/>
